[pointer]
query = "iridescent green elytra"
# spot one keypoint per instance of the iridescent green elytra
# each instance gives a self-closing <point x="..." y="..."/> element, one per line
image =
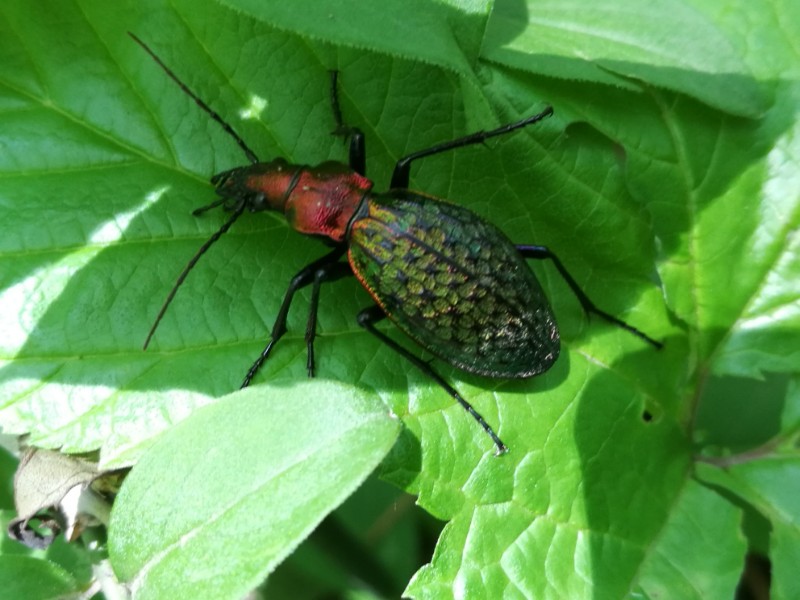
<point x="455" y="283"/>
<point x="449" y="279"/>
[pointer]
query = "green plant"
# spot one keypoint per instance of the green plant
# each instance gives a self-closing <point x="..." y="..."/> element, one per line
<point x="667" y="182"/>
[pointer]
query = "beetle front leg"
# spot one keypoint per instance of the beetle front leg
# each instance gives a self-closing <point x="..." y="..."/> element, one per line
<point x="305" y="277"/>
<point x="367" y="319"/>
<point x="326" y="274"/>
<point x="544" y="253"/>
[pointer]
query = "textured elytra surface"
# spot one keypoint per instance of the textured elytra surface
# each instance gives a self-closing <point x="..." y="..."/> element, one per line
<point x="455" y="283"/>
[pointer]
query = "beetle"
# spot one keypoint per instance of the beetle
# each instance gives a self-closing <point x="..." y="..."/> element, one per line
<point x="447" y="278"/>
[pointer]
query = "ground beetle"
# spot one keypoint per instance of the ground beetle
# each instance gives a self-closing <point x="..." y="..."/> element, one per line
<point x="450" y="280"/>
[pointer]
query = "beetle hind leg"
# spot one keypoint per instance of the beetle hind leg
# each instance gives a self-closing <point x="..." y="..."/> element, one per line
<point x="367" y="319"/>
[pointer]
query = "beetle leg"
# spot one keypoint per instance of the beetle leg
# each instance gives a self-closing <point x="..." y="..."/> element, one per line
<point x="325" y="274"/>
<point x="543" y="253"/>
<point x="358" y="150"/>
<point x="402" y="169"/>
<point x="305" y="277"/>
<point x="367" y="319"/>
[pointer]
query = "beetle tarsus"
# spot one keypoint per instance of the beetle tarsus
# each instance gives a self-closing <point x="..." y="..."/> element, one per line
<point x="544" y="253"/>
<point x="402" y="170"/>
<point x="371" y="315"/>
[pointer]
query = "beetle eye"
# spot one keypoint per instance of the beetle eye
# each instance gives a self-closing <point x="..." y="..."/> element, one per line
<point x="257" y="202"/>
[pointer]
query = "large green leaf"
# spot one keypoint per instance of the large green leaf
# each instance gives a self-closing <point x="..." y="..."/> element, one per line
<point x="671" y="204"/>
<point x="246" y="501"/>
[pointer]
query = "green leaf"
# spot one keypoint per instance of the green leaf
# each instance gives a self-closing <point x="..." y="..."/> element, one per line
<point x="687" y="47"/>
<point x="666" y="182"/>
<point x="771" y="484"/>
<point x="8" y="464"/>
<point x="33" y="579"/>
<point x="61" y="565"/>
<point x="353" y="24"/>
<point x="676" y="569"/>
<point x="207" y="520"/>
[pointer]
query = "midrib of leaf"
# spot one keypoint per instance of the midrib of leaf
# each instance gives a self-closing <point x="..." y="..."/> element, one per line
<point x="683" y="166"/>
<point x="308" y="452"/>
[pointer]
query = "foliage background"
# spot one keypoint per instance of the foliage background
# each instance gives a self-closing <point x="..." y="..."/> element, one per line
<point x="667" y="182"/>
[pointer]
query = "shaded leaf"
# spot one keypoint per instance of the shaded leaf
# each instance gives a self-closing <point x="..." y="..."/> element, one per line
<point x="667" y="43"/>
<point x="770" y="484"/>
<point x="675" y="568"/>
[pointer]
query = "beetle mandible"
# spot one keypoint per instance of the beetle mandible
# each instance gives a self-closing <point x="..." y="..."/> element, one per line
<point x="447" y="278"/>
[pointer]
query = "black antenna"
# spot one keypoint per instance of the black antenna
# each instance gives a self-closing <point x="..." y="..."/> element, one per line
<point x="237" y="212"/>
<point x="251" y="156"/>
